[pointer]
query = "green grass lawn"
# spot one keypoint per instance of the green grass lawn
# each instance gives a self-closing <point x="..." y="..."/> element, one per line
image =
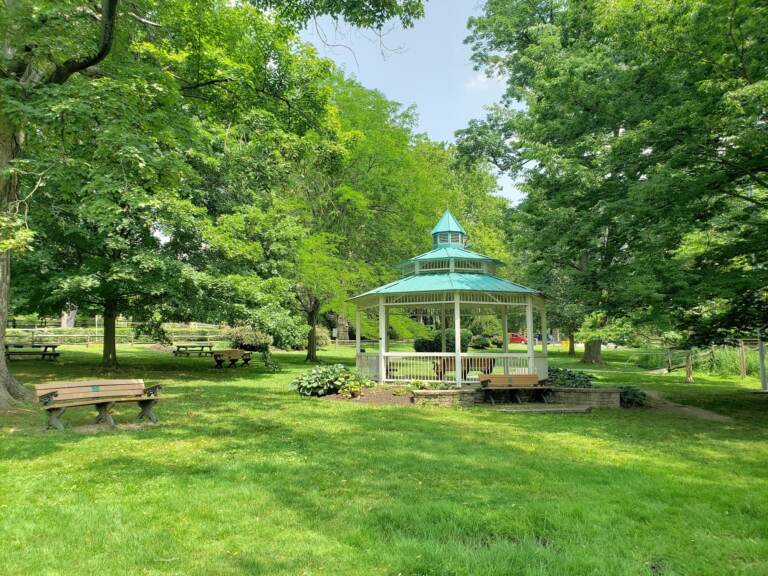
<point x="242" y="476"/>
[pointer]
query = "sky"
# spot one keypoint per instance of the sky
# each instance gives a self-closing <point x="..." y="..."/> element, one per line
<point x="427" y="65"/>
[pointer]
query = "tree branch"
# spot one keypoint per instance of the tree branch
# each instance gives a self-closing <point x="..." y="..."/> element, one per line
<point x="108" y="16"/>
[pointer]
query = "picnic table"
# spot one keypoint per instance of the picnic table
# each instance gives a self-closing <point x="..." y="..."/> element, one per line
<point x="42" y="349"/>
<point x="188" y="349"/>
<point x="233" y="356"/>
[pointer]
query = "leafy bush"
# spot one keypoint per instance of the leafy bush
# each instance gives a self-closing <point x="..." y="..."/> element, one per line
<point x="434" y="342"/>
<point x="480" y="342"/>
<point x="288" y="331"/>
<point x="485" y="325"/>
<point x="497" y="341"/>
<point x="246" y="338"/>
<point x="323" y="380"/>
<point x="565" y="378"/>
<point x="632" y="397"/>
<point x="323" y="336"/>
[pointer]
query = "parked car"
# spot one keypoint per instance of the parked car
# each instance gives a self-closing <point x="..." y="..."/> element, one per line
<point x="517" y="339"/>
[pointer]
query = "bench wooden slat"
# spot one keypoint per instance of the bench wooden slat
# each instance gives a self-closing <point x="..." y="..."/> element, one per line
<point x="91" y="402"/>
<point x="511" y="380"/>
<point x="80" y="383"/>
<point x="129" y="388"/>
<point x="64" y="396"/>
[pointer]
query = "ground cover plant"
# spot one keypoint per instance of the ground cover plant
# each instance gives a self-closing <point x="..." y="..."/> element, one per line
<point x="244" y="476"/>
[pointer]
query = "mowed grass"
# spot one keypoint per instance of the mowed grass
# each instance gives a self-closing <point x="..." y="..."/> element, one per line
<point x="242" y="476"/>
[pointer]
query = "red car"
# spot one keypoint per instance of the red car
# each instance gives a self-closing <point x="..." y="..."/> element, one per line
<point x="517" y="339"/>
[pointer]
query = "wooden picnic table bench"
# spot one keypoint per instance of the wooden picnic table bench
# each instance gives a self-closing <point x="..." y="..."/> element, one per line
<point x="20" y="349"/>
<point x="514" y="384"/>
<point x="56" y="397"/>
<point x="233" y="356"/>
<point x="187" y="349"/>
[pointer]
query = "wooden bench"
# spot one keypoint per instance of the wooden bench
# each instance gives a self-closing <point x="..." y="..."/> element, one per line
<point x="233" y="356"/>
<point x="514" y="384"/>
<point x="56" y="397"/>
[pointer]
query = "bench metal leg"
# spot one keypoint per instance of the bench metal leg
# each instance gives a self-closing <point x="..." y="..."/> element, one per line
<point x="53" y="418"/>
<point x="104" y="415"/>
<point x="219" y="362"/>
<point x="246" y="361"/>
<point x="146" y="410"/>
<point x="232" y="362"/>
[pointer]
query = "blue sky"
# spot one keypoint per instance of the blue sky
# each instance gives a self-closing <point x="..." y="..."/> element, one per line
<point x="427" y="65"/>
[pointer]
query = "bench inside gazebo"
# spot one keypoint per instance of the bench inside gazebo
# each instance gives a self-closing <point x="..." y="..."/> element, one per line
<point x="451" y="283"/>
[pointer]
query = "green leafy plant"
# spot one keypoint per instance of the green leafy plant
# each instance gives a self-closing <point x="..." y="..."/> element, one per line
<point x="632" y="397"/>
<point x="480" y="342"/>
<point x="324" y="380"/>
<point x="565" y="378"/>
<point x="246" y="338"/>
<point x="434" y="342"/>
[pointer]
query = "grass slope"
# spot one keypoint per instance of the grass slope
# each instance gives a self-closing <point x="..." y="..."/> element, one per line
<point x="241" y="476"/>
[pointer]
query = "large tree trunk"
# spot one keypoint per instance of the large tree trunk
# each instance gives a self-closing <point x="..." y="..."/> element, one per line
<point x="593" y="353"/>
<point x="312" y="317"/>
<point x="10" y="148"/>
<point x="109" y="351"/>
<point x="571" y="345"/>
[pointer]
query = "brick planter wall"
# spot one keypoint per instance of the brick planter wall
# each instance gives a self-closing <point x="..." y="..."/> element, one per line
<point x="595" y="397"/>
<point x="453" y="398"/>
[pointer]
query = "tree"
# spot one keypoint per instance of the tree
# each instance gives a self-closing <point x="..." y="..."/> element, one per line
<point x="44" y="45"/>
<point x="638" y="134"/>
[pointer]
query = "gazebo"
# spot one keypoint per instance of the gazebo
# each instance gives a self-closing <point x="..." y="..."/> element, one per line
<point x="445" y="284"/>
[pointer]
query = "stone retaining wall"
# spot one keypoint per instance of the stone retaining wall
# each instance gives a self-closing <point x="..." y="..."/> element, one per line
<point x="467" y="397"/>
<point x="463" y="398"/>
<point x="595" y="397"/>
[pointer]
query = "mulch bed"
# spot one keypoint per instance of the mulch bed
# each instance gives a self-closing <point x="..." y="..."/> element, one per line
<point x="376" y="396"/>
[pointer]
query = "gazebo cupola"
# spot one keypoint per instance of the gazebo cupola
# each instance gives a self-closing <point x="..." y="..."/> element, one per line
<point x="442" y="285"/>
<point x="448" y="232"/>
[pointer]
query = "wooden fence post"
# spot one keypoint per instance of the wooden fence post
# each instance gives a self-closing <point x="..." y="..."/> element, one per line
<point x="668" y="353"/>
<point x="689" y="368"/>
<point x="742" y="360"/>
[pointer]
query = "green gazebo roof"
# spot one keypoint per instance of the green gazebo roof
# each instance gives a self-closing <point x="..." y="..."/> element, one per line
<point x="448" y="223"/>
<point x="449" y="282"/>
<point x="455" y="277"/>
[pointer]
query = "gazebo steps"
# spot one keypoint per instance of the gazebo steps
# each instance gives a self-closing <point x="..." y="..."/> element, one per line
<point x="540" y="408"/>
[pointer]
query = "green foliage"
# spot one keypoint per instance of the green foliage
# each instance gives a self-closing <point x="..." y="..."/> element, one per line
<point x="480" y="342"/>
<point x="724" y="360"/>
<point x="324" y="380"/>
<point x="323" y="337"/>
<point x="485" y="325"/>
<point x="632" y="397"/>
<point x="565" y="378"/>
<point x="246" y="338"/>
<point x="433" y="343"/>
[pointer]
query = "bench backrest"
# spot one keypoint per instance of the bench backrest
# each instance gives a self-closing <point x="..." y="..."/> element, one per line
<point x="90" y="389"/>
<point x="511" y="380"/>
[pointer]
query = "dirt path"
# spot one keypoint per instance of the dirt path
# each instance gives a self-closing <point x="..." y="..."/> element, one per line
<point x="663" y="405"/>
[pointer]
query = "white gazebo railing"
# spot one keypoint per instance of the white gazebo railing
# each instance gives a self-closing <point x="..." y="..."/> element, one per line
<point x="441" y="366"/>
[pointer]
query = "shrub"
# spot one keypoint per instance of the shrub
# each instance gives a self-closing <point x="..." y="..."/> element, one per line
<point x="565" y="378"/>
<point x="497" y="341"/>
<point x="480" y="342"/>
<point x="323" y="336"/>
<point x="323" y="380"/>
<point x="485" y="325"/>
<point x="246" y="338"/>
<point x="433" y="343"/>
<point x="632" y="397"/>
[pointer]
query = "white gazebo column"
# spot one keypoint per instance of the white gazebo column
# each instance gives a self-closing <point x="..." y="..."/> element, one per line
<point x="457" y="335"/>
<point x="443" y="328"/>
<point x="357" y="332"/>
<point x="529" y="333"/>
<point x="382" y="340"/>
<point x="505" y="337"/>
<point x="544" y="339"/>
